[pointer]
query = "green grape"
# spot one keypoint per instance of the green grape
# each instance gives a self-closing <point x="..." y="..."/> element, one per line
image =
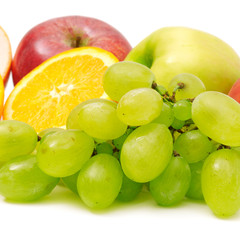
<point x="182" y="110"/>
<point x="71" y="182"/>
<point x="192" y="86"/>
<point x="98" y="118"/>
<point x="72" y="120"/>
<point x="104" y="147"/>
<point x="221" y="182"/>
<point x="177" y="124"/>
<point x="193" y="146"/>
<point x="63" y="153"/>
<point x="129" y="190"/>
<point x="171" y="186"/>
<point x="195" y="188"/>
<point x="118" y="142"/>
<point x="217" y="116"/>
<point x="22" y="180"/>
<point x="166" y="116"/>
<point x="16" y="139"/>
<point x="124" y="76"/>
<point x="100" y="181"/>
<point x="146" y="152"/>
<point x="139" y="106"/>
<point x="48" y="131"/>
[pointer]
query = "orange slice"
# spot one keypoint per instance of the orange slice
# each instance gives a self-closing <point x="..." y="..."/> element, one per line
<point x="45" y="96"/>
<point x="1" y="96"/>
<point x="5" y="55"/>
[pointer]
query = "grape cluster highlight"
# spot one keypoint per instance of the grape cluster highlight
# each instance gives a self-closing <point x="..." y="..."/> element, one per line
<point x="176" y="142"/>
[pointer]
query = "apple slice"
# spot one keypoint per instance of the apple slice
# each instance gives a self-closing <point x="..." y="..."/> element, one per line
<point x="5" y="55"/>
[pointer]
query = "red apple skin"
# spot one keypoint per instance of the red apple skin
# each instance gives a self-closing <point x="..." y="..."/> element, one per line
<point x="60" y="34"/>
<point x="235" y="91"/>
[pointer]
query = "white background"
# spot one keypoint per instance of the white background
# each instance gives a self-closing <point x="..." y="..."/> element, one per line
<point x="61" y="215"/>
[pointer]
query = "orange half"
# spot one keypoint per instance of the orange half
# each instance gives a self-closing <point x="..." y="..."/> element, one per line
<point x="45" y="96"/>
<point x="5" y="55"/>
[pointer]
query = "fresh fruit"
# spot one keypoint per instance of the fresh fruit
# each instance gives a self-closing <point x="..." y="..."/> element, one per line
<point x="16" y="139"/>
<point x="1" y="96"/>
<point x="172" y="184"/>
<point x="104" y="147"/>
<point x="185" y="85"/>
<point x="71" y="182"/>
<point x="195" y="187"/>
<point x="139" y="106"/>
<point x="124" y="76"/>
<point x="235" y="91"/>
<point x="118" y="142"/>
<point x="193" y="146"/>
<point x="166" y="115"/>
<point x="5" y="57"/>
<point x="63" y="153"/>
<point x="173" y="50"/>
<point x="45" y="97"/>
<point x="129" y="190"/>
<point x="100" y="181"/>
<point x="22" y="180"/>
<point x="98" y="118"/>
<point x="146" y="152"/>
<point x="221" y="182"/>
<point x="217" y="116"/>
<point x="182" y="110"/>
<point x="60" y="34"/>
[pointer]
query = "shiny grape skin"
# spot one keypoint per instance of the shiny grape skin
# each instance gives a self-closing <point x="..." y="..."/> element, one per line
<point x="22" y="180"/>
<point x="221" y="182"/>
<point x="218" y="117"/>
<point x="170" y="187"/>
<point x="124" y="76"/>
<point x="146" y="152"/>
<point x="16" y="139"/>
<point x="139" y="106"/>
<point x="63" y="153"/>
<point x="100" y="181"/>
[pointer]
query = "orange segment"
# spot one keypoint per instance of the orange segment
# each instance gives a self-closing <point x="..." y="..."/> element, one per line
<point x="5" y="55"/>
<point x="1" y="96"/>
<point x="45" y="97"/>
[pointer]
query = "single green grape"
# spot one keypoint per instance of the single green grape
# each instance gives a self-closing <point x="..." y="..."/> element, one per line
<point x="98" y="118"/>
<point x="71" y="182"/>
<point x="118" y="142"/>
<point x="22" y="180"/>
<point x="221" y="182"/>
<point x="129" y="190"/>
<point x="16" y="139"/>
<point x="182" y="110"/>
<point x="218" y="117"/>
<point x="166" y="116"/>
<point x="139" y="106"/>
<point x="124" y="76"/>
<point x="177" y="124"/>
<point x="100" y="181"/>
<point x="193" y="146"/>
<point x="195" y="188"/>
<point x="63" y="153"/>
<point x="146" y="152"/>
<point x="104" y="147"/>
<point x="172" y="184"/>
<point x="192" y="86"/>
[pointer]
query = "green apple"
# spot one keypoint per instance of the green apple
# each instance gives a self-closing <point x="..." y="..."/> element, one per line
<point x="173" y="50"/>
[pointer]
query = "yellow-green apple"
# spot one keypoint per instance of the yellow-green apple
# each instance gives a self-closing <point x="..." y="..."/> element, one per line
<point x="60" y="34"/>
<point x="173" y="50"/>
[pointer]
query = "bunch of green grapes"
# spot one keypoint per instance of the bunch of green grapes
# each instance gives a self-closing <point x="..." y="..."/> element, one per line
<point x="180" y="141"/>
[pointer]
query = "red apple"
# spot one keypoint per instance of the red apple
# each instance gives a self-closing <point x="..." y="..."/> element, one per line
<point x="60" y="34"/>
